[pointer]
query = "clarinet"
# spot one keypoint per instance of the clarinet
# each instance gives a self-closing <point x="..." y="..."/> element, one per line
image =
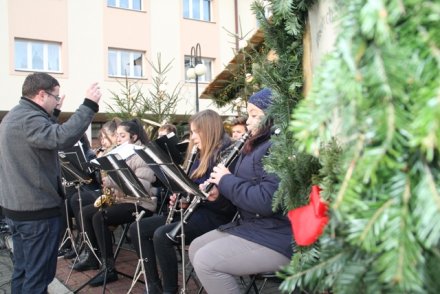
<point x="226" y="161"/>
<point x="189" y="164"/>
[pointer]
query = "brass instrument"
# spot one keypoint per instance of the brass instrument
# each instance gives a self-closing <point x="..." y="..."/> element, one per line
<point x="226" y="161"/>
<point x="189" y="164"/>
<point x="107" y="199"/>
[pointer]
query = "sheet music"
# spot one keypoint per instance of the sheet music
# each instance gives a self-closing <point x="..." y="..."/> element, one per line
<point x="169" y="173"/>
<point x="123" y="176"/>
<point x="124" y="151"/>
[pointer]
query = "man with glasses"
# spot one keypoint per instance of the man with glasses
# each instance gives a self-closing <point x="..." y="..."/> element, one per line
<point x="31" y="193"/>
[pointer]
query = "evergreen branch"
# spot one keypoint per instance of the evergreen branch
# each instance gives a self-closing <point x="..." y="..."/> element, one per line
<point x="401" y="264"/>
<point x="432" y="187"/>
<point x="375" y="217"/>
<point x="315" y="268"/>
<point x="340" y="197"/>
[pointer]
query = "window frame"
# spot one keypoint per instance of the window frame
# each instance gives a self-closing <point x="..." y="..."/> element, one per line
<point x="201" y="10"/>
<point x="46" y="58"/>
<point x="119" y="60"/>
<point x="130" y="5"/>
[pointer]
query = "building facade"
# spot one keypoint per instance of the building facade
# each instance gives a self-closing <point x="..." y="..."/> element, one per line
<point x="83" y="41"/>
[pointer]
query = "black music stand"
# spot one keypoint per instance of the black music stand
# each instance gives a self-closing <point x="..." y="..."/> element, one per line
<point x="176" y="181"/>
<point x="170" y="144"/>
<point x="124" y="177"/>
<point x="168" y="171"/>
<point x="75" y="173"/>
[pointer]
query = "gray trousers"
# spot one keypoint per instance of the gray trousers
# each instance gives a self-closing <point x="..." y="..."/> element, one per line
<point x="218" y="258"/>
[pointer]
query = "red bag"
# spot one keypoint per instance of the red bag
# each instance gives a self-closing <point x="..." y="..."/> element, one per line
<point x="308" y="222"/>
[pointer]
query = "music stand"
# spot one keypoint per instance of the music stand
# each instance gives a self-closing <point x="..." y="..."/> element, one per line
<point x="170" y="173"/>
<point x="72" y="169"/>
<point x="170" y="144"/>
<point x="176" y="180"/>
<point x="124" y="177"/>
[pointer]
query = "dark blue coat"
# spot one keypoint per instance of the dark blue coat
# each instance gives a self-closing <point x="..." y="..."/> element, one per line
<point x="251" y="189"/>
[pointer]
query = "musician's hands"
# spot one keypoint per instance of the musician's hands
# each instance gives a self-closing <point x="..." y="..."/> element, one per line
<point x="173" y="199"/>
<point x="105" y="181"/>
<point x="217" y="173"/>
<point x="213" y="193"/>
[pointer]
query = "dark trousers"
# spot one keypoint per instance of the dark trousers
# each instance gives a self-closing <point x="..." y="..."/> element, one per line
<point x="35" y="254"/>
<point x="96" y="223"/>
<point x="156" y="244"/>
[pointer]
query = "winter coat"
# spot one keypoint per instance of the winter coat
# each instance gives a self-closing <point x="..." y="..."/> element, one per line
<point x="251" y="189"/>
<point x="30" y="176"/>
<point x="146" y="177"/>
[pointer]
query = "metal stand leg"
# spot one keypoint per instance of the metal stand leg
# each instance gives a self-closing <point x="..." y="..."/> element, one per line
<point x="140" y="268"/>
<point x="182" y="245"/>
<point x="85" y="240"/>
<point x="68" y="236"/>
<point x="103" y="264"/>
<point x="68" y="233"/>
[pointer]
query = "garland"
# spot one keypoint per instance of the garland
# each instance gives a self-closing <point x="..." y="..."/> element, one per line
<point x="380" y="172"/>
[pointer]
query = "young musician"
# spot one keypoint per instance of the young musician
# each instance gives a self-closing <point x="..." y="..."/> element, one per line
<point x="166" y="129"/>
<point x="208" y="134"/>
<point x="31" y="192"/>
<point x="238" y="127"/>
<point x="108" y="136"/>
<point x="261" y="240"/>
<point x="96" y="222"/>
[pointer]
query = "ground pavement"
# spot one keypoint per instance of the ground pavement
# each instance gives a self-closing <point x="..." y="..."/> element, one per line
<point x="67" y="281"/>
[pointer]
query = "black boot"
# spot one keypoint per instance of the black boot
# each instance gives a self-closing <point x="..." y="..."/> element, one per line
<point x="108" y="272"/>
<point x="72" y="253"/>
<point x="89" y="262"/>
<point x="154" y="288"/>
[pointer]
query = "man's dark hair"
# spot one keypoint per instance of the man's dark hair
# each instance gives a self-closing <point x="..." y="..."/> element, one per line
<point x="241" y="120"/>
<point x="36" y="82"/>
<point x="169" y="128"/>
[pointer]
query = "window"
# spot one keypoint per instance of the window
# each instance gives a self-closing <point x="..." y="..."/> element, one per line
<point x="37" y="56"/>
<point x="197" y="9"/>
<point x="122" y="63"/>
<point x="127" y="4"/>
<point x="207" y="77"/>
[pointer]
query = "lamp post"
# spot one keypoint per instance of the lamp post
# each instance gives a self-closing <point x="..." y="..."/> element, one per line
<point x="197" y="69"/>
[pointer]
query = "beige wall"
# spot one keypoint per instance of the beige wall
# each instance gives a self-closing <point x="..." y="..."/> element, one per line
<point x="86" y="29"/>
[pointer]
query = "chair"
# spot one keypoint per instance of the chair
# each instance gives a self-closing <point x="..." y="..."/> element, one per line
<point x="265" y="277"/>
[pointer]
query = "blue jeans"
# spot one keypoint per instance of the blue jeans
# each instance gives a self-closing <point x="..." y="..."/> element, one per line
<point x="35" y="254"/>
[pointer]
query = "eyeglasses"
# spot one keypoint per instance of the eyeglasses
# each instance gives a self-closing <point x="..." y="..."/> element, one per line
<point x="57" y="98"/>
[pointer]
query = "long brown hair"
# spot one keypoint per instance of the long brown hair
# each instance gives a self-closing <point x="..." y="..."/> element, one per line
<point x="109" y="128"/>
<point x="209" y="125"/>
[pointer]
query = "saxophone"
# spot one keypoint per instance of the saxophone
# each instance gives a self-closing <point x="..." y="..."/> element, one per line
<point x="107" y="199"/>
<point x="189" y="164"/>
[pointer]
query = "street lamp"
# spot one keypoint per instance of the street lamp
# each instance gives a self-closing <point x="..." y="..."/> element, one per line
<point x="197" y="69"/>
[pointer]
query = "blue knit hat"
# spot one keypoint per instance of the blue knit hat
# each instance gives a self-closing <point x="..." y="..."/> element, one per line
<point x="262" y="99"/>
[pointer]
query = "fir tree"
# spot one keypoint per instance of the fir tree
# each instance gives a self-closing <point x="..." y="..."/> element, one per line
<point x="380" y="170"/>
<point x="156" y="103"/>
